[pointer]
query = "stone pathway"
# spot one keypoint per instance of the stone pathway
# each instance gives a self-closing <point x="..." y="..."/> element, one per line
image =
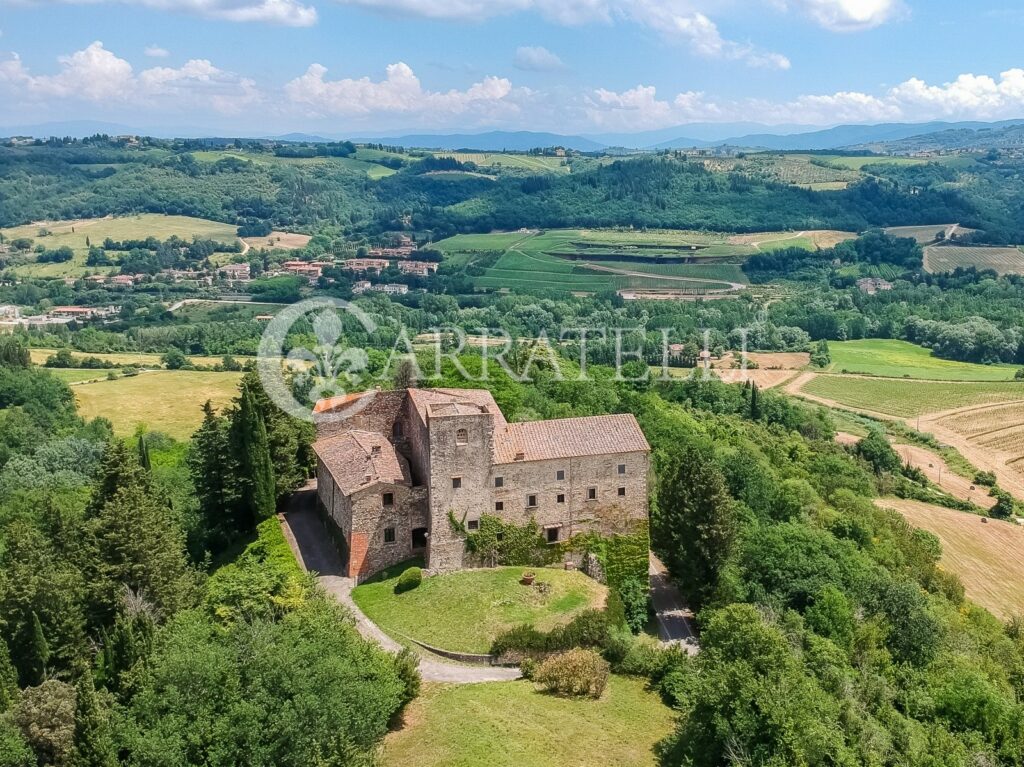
<point x="316" y="554"/>
<point x="674" y="618"/>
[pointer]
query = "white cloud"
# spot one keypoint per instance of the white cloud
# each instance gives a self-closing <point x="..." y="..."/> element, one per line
<point x="849" y="15"/>
<point x="536" y="58"/>
<point x="96" y="75"/>
<point x="399" y="93"/>
<point x="969" y="96"/>
<point x="156" y="52"/>
<point x="290" y="13"/>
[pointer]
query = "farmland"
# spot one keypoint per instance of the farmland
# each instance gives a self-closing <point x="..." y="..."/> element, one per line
<point x="946" y="258"/>
<point x="908" y="398"/>
<point x="900" y="359"/>
<point x="527" y="162"/>
<point x="510" y="724"/>
<point x="166" y="400"/>
<point x="990" y="435"/>
<point x="985" y="555"/>
<point x="281" y="240"/>
<point x="138" y="359"/>
<point x="371" y="170"/>
<point x="76" y="233"/>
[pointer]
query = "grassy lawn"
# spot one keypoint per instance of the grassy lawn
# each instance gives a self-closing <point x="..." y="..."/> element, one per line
<point x="465" y="611"/>
<point x="509" y="724"/>
<point x="908" y="398"/>
<point x="901" y="359"/>
<point x="986" y="556"/>
<point x="74" y="375"/>
<point x="140" y="359"/>
<point x="165" y="400"/>
<point x="73" y="233"/>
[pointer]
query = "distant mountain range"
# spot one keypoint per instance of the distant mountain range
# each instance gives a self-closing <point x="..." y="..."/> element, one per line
<point x="886" y="137"/>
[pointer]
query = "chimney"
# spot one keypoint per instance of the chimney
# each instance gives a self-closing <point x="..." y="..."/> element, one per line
<point x="375" y="450"/>
<point x="520" y="456"/>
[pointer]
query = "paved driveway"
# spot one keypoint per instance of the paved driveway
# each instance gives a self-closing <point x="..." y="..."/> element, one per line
<point x="675" y="620"/>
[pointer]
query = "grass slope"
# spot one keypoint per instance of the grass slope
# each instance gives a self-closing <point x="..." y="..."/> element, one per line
<point x="901" y="359"/>
<point x="509" y="724"/>
<point x="465" y="611"/>
<point x="908" y="398"/>
<point x="167" y="401"/>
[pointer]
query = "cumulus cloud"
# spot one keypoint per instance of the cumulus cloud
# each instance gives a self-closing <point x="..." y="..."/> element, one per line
<point x="848" y="15"/>
<point x="290" y="13"/>
<point x="536" y="58"/>
<point x="96" y="75"/>
<point x="967" y="97"/>
<point x="400" y="92"/>
<point x="156" y="52"/>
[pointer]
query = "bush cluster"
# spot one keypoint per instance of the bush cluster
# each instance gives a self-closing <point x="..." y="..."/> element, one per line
<point x="576" y="673"/>
<point x="588" y="629"/>
<point x="408" y="580"/>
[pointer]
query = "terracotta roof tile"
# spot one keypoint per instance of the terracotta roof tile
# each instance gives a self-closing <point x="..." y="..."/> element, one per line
<point x="358" y="459"/>
<point x="569" y="437"/>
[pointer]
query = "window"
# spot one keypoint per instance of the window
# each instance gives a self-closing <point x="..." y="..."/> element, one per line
<point x="622" y="468"/>
<point x="461" y="437"/>
<point x="389" y="535"/>
<point x="622" y="492"/>
<point x="499" y="482"/>
<point x="499" y="536"/>
<point x="560" y="498"/>
<point x="591" y="493"/>
<point x="560" y="474"/>
<point x="456" y="483"/>
<point x="531" y="501"/>
<point x="552" y="533"/>
<point x="473" y="524"/>
<point x="387" y="499"/>
<point x="396" y="430"/>
<point x="499" y="505"/>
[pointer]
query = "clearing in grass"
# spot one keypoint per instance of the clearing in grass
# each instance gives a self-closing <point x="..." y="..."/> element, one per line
<point x="891" y="358"/>
<point x="170" y="401"/>
<point x="510" y="724"/>
<point x="467" y="610"/>
<point x="985" y="554"/>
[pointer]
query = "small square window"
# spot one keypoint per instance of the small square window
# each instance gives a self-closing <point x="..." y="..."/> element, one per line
<point x="552" y="533"/>
<point x="499" y="536"/>
<point x="387" y="499"/>
<point x="560" y="474"/>
<point x="591" y="493"/>
<point x="560" y="498"/>
<point x="622" y="492"/>
<point x="389" y="535"/>
<point x="499" y="505"/>
<point x="456" y="483"/>
<point x="531" y="501"/>
<point x="473" y="524"/>
<point x="622" y="468"/>
<point x="461" y="437"/>
<point x="499" y="482"/>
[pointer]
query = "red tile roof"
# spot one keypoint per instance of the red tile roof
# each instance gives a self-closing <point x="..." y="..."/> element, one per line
<point x="569" y="438"/>
<point x="359" y="459"/>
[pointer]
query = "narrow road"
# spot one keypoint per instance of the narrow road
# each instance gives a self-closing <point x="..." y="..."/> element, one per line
<point x="674" y="618"/>
<point x="316" y="554"/>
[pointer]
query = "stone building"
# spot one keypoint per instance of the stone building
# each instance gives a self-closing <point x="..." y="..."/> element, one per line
<point x="394" y="466"/>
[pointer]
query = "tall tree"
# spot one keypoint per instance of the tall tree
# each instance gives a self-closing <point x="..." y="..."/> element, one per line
<point x="144" y="454"/>
<point x="94" y="744"/>
<point x="212" y="468"/>
<point x="120" y="469"/>
<point x="38" y="652"/>
<point x="255" y="471"/>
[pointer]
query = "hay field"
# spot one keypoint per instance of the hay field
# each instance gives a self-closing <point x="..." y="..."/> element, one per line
<point x="279" y="240"/>
<point x="946" y="258"/>
<point x="995" y="430"/>
<point x="987" y="555"/>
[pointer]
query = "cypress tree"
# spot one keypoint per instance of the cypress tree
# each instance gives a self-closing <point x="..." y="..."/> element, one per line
<point x="121" y="469"/>
<point x="212" y="469"/>
<point x="144" y="454"/>
<point x="257" y="470"/>
<point x="755" y="402"/>
<point x="39" y="652"/>
<point x="94" y="746"/>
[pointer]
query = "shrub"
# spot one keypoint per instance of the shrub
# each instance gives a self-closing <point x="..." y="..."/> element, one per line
<point x="576" y="673"/>
<point x="407" y="664"/>
<point x="588" y="629"/>
<point x="986" y="478"/>
<point x="635" y="596"/>
<point x="408" y="580"/>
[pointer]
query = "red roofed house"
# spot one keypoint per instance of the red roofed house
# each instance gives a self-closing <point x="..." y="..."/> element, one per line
<point x="393" y="465"/>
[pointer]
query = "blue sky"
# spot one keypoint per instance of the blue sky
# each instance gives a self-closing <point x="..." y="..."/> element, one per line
<point x="587" y="66"/>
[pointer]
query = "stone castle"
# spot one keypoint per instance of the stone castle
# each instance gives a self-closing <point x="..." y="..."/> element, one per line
<point x="394" y="465"/>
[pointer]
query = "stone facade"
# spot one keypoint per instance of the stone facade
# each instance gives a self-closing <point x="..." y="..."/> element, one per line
<point x="393" y="466"/>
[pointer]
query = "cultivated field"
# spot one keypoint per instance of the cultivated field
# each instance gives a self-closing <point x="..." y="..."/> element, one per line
<point x="279" y="240"/>
<point x="466" y="611"/>
<point x="923" y="234"/>
<point x="74" y="233"/>
<point x="532" y="163"/>
<point x="946" y="258"/>
<point x="993" y="431"/>
<point x="907" y="398"/>
<point x="986" y="555"/>
<point x="167" y="401"/>
<point x="139" y="359"/>
<point x="900" y="359"/>
<point x="371" y="170"/>
<point x="510" y="724"/>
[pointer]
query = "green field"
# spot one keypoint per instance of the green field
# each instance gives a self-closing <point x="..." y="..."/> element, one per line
<point x="466" y="611"/>
<point x="139" y="359"/>
<point x="371" y="169"/>
<point x="165" y="400"/>
<point x="900" y="359"/>
<point x="858" y="162"/>
<point x="76" y="375"/>
<point x="74" y="234"/>
<point x="946" y="258"/>
<point x="510" y="724"/>
<point x="532" y="163"/>
<point x="908" y="398"/>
